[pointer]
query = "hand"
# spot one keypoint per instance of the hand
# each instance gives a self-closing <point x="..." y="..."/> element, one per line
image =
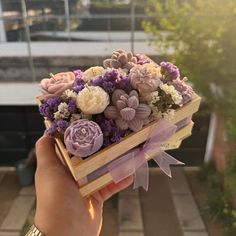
<point x="61" y="210"/>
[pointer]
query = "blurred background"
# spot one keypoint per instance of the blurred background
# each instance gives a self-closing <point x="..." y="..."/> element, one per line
<point x="39" y="37"/>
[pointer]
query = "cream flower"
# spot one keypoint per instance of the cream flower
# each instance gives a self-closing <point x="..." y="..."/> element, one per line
<point x="69" y="94"/>
<point x="155" y="97"/>
<point x="62" y="112"/>
<point x="175" y="95"/>
<point x="92" y="100"/>
<point x="92" y="72"/>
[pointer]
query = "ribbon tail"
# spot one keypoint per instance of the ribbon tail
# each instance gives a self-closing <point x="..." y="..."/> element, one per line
<point x="122" y="167"/>
<point x="164" y="160"/>
<point x="141" y="176"/>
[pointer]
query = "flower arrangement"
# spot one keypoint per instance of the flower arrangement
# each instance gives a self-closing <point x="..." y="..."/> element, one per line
<point x="92" y="109"/>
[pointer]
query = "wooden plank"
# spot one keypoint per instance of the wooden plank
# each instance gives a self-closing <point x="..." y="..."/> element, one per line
<point x="105" y="179"/>
<point x="18" y="213"/>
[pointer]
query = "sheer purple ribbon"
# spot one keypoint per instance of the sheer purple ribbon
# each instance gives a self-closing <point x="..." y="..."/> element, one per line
<point x="135" y="163"/>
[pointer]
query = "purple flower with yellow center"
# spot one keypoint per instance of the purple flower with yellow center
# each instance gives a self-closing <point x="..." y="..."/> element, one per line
<point x="83" y="138"/>
<point x="169" y="71"/>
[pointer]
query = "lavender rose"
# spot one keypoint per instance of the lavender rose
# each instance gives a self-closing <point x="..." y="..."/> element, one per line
<point x="83" y="138"/>
<point x="57" y="84"/>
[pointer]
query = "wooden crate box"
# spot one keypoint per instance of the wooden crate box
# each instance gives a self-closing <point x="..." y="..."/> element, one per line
<point x="80" y="168"/>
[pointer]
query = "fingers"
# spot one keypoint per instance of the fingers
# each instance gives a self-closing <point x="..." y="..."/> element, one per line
<point x="113" y="188"/>
<point x="45" y="152"/>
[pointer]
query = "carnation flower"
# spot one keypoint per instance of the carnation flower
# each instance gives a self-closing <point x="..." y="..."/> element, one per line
<point x="145" y="78"/>
<point x="57" y="84"/>
<point x="92" y="100"/>
<point x="91" y="73"/>
<point x="83" y="138"/>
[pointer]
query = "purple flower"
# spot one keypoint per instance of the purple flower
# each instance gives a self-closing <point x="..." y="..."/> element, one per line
<point x="62" y="125"/>
<point x="78" y="83"/>
<point x="169" y="71"/>
<point x="111" y="80"/>
<point x="83" y="138"/>
<point x="57" y="128"/>
<point x="112" y="134"/>
<point x="72" y="107"/>
<point x="49" y="107"/>
<point x="124" y="83"/>
<point x="142" y="59"/>
<point x="184" y="89"/>
<point x="78" y="73"/>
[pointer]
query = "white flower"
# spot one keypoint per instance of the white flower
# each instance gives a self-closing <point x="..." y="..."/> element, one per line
<point x="92" y="100"/>
<point x="62" y="112"/>
<point x="155" y="97"/>
<point x="169" y="115"/>
<point x="92" y="72"/>
<point x="69" y="94"/>
<point x="175" y="95"/>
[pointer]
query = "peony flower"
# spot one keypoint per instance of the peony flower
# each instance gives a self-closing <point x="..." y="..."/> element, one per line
<point x="83" y="138"/>
<point x="91" y="73"/>
<point x="57" y="84"/>
<point x="92" y="100"/>
<point x="145" y="78"/>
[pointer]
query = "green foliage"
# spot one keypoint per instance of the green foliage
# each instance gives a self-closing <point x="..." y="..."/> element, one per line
<point x="230" y="174"/>
<point x="218" y="205"/>
<point x="202" y="34"/>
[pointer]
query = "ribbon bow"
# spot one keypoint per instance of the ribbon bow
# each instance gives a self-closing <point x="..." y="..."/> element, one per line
<point x="134" y="162"/>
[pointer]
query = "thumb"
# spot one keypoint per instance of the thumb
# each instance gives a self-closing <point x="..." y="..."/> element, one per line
<point x="45" y="152"/>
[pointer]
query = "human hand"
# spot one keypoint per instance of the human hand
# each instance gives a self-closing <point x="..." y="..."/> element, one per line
<point x="61" y="210"/>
